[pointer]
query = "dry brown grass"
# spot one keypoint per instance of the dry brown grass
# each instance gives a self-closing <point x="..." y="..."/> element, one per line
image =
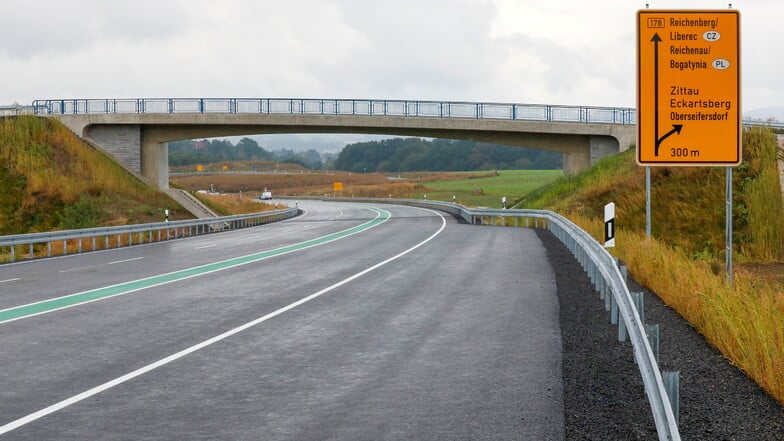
<point x="745" y="321"/>
<point x="302" y="184"/>
<point x="235" y="203"/>
<point x="235" y="166"/>
<point x="683" y="263"/>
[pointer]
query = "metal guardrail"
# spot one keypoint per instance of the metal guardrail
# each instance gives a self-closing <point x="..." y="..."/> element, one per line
<point x="367" y="107"/>
<point x="15" y="110"/>
<point x="606" y="276"/>
<point x="144" y="233"/>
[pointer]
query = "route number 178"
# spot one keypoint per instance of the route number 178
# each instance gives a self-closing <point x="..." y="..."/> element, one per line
<point x="655" y="22"/>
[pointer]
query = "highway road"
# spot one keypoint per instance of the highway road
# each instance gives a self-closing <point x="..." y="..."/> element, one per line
<point x="350" y="322"/>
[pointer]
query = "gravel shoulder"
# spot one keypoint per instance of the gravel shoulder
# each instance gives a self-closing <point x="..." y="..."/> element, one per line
<point x="604" y="398"/>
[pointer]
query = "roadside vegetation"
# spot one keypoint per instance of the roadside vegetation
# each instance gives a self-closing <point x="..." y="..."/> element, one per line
<point x="683" y="262"/>
<point x="50" y="180"/>
<point x="234" y="203"/>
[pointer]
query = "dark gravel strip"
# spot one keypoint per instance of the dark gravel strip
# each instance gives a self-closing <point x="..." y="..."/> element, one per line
<point x="604" y="397"/>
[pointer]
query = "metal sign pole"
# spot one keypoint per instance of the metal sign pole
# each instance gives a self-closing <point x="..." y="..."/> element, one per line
<point x="648" y="201"/>
<point x="728" y="234"/>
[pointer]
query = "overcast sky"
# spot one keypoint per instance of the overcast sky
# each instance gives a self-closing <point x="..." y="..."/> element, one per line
<point x="526" y="51"/>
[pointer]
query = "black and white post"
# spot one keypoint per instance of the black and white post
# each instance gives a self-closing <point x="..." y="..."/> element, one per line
<point x="609" y="225"/>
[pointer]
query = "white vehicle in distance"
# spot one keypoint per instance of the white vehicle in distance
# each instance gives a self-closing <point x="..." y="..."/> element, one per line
<point x="265" y="195"/>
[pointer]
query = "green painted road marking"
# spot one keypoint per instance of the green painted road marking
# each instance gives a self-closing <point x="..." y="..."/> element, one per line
<point x="45" y="306"/>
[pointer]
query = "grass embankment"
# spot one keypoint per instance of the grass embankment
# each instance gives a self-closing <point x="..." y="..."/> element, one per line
<point x="684" y="261"/>
<point x="486" y="190"/>
<point x="50" y="180"/>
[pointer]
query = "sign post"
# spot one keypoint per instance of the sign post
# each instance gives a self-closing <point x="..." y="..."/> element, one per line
<point x="688" y="94"/>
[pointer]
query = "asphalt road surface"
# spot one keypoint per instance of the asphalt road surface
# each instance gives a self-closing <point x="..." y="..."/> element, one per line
<point x="351" y="322"/>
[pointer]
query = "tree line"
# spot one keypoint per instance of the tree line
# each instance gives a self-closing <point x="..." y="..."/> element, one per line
<point x="386" y="156"/>
<point x="208" y="151"/>
<point x="417" y="154"/>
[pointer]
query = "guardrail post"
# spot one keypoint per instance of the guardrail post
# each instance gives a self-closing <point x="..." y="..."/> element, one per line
<point x="32" y="252"/>
<point x="652" y="332"/>
<point x="48" y="249"/>
<point x="613" y="311"/>
<point x="13" y="257"/>
<point x="639" y="304"/>
<point x="672" y="383"/>
<point x="65" y="247"/>
<point x="621" y="330"/>
<point x="624" y="274"/>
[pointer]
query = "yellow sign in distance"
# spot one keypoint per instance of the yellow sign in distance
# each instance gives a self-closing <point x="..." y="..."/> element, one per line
<point x="337" y="186"/>
<point x="688" y="87"/>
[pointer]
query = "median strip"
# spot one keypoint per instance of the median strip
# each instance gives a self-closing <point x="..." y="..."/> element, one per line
<point x="71" y="300"/>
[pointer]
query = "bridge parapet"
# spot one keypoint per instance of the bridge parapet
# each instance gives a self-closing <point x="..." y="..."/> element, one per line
<point x="368" y="107"/>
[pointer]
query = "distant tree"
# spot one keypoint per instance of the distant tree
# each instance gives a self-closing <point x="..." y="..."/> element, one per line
<point x="417" y="154"/>
<point x="249" y="149"/>
<point x="210" y="151"/>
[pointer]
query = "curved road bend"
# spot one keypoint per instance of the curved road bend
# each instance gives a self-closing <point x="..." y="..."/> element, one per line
<point x="407" y="326"/>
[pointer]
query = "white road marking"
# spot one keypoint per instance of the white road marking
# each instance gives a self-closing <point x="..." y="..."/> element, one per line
<point x="164" y="361"/>
<point x="100" y="264"/>
<point x="78" y="269"/>
<point x="124" y="260"/>
<point x="10" y="280"/>
<point x="206" y="246"/>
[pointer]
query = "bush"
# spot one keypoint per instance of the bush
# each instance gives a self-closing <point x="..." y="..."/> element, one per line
<point x="84" y="213"/>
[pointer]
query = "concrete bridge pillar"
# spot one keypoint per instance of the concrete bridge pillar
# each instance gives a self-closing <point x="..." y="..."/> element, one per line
<point x="133" y="148"/>
<point x="155" y="162"/>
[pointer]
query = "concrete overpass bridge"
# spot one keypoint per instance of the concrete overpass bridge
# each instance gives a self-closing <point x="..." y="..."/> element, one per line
<point x="136" y="131"/>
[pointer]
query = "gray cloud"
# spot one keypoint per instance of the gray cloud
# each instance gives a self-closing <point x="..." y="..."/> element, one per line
<point x="566" y="52"/>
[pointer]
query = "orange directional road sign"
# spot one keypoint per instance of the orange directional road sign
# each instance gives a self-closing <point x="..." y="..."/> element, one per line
<point x="688" y="87"/>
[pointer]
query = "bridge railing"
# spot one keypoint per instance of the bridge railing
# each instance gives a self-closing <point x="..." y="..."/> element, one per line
<point x="15" y="109"/>
<point x="364" y="107"/>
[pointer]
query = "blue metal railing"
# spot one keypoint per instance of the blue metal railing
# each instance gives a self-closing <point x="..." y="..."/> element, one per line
<point x="365" y="107"/>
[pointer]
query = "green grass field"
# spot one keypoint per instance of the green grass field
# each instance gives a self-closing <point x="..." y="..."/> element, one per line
<point x="484" y="191"/>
